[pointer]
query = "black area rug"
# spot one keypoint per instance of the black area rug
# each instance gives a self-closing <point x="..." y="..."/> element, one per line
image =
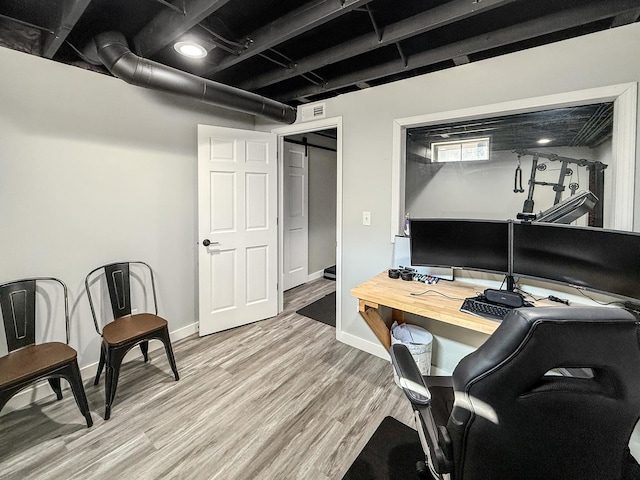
<point x="390" y="454"/>
<point x="323" y="310"/>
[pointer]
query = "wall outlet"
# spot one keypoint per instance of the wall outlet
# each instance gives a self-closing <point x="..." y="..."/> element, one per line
<point x="366" y="218"/>
<point x="134" y="311"/>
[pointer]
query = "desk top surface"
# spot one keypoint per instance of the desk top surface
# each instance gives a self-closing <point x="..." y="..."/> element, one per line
<point x="441" y="301"/>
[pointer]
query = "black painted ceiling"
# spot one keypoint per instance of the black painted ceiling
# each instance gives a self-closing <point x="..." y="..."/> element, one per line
<point x="576" y="126"/>
<point x="297" y="51"/>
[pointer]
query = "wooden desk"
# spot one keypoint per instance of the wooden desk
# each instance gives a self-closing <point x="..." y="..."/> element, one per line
<point x="396" y="294"/>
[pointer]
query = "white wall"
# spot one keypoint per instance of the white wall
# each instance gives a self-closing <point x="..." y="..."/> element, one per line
<point x="605" y="58"/>
<point x="93" y="170"/>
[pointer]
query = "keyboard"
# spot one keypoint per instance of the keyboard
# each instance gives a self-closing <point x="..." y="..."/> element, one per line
<point x="481" y="307"/>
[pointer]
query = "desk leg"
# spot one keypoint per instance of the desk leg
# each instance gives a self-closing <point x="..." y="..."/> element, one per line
<point x="369" y="312"/>
<point x="397" y="316"/>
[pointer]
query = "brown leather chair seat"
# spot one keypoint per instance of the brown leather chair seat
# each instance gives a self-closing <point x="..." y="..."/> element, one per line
<point x="34" y="360"/>
<point x="131" y="327"/>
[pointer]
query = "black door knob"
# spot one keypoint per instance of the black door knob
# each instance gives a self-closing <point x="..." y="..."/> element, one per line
<point x="206" y="242"/>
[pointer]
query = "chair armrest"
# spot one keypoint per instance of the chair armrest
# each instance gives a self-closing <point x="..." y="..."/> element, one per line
<point x="415" y="389"/>
<point x="409" y="375"/>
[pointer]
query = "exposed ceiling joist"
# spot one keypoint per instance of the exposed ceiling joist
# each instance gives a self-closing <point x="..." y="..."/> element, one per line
<point x="437" y="17"/>
<point x="304" y="50"/>
<point x="72" y="10"/>
<point x="548" y="24"/>
<point x="303" y="19"/>
<point x="169" y="25"/>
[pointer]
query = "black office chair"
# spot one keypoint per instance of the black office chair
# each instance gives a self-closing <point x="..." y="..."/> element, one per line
<point x="506" y="414"/>
<point x="29" y="361"/>
<point x="126" y="330"/>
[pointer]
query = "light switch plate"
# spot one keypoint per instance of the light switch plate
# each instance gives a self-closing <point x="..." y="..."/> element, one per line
<point x="366" y="218"/>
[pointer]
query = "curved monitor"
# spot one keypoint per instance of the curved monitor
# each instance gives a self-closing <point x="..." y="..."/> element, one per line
<point x="601" y="260"/>
<point x="468" y="244"/>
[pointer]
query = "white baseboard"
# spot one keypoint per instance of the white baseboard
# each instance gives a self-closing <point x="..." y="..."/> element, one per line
<point x="314" y="276"/>
<point x="374" y="348"/>
<point x="378" y="350"/>
<point x="42" y="390"/>
<point x="183" y="332"/>
<point x="439" y="371"/>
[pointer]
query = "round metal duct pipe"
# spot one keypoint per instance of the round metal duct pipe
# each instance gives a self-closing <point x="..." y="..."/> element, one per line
<point x="114" y="53"/>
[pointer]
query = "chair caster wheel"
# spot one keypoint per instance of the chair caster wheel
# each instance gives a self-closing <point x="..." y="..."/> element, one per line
<point x="423" y="471"/>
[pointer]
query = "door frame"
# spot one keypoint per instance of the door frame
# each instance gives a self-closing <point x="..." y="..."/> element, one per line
<point x="299" y="128"/>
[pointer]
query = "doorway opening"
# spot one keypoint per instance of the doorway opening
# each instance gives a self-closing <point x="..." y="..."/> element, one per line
<point x="309" y="220"/>
<point x="310" y="192"/>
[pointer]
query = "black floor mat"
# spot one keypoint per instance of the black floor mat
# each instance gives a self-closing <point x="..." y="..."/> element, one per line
<point x="323" y="310"/>
<point x="390" y="454"/>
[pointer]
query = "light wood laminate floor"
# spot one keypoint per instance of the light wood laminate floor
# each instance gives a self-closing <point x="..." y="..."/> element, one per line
<point x="277" y="399"/>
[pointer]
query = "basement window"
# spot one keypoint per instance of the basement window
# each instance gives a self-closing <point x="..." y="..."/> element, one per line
<point x="467" y="150"/>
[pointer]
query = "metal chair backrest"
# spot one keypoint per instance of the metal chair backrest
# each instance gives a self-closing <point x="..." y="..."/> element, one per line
<point x="18" y="304"/>
<point x="118" y="280"/>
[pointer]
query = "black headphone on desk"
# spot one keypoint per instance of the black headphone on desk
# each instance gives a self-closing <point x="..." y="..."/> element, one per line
<point x="406" y="273"/>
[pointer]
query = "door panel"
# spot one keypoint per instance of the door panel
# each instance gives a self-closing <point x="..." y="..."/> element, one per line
<point x="237" y="210"/>
<point x="296" y="207"/>
<point x="257" y="202"/>
<point x="222" y="294"/>
<point x="222" y="193"/>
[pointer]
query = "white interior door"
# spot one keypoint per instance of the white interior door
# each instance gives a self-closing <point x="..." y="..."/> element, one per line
<point x="238" y="234"/>
<point x="296" y="216"/>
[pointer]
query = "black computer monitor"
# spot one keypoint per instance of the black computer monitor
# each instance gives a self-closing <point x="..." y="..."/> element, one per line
<point x="606" y="261"/>
<point x="469" y="244"/>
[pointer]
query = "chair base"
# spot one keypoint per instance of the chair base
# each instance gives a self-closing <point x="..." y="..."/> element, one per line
<point x="422" y="471"/>
<point x="70" y="372"/>
<point x="111" y="357"/>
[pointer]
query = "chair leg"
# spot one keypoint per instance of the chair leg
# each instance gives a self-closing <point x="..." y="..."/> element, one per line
<point x="144" y="348"/>
<point x="4" y="397"/>
<point x="107" y="392"/>
<point x="72" y="375"/>
<point x="55" y="386"/>
<point x="100" y="365"/>
<point x="113" y="361"/>
<point x="164" y="336"/>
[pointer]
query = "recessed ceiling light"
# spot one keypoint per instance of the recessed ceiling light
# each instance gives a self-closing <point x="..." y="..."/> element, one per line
<point x="190" y="49"/>
<point x="544" y="141"/>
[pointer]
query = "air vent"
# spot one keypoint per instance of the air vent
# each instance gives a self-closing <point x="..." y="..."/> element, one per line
<point x="313" y="111"/>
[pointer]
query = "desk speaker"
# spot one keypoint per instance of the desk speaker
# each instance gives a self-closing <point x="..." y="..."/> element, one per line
<point x="504" y="297"/>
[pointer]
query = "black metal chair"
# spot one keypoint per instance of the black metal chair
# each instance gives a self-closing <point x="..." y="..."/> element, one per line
<point x="505" y="413"/>
<point x="27" y="361"/>
<point x="126" y="330"/>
